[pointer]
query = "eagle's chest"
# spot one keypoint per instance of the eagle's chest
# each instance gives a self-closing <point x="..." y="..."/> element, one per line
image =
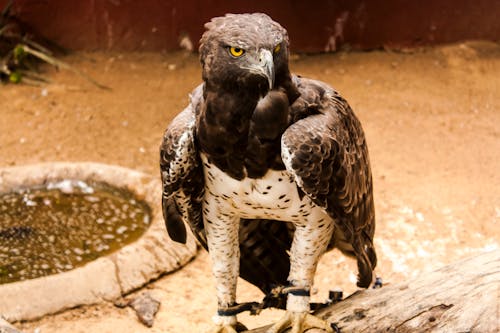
<point x="242" y="136"/>
<point x="274" y="196"/>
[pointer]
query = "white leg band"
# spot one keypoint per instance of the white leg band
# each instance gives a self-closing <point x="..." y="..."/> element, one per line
<point x="225" y="320"/>
<point x="297" y="303"/>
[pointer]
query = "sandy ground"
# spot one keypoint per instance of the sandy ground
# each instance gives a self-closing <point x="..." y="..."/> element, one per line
<point x="432" y="122"/>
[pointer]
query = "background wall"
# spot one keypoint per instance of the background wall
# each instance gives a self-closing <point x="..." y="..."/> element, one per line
<point x="313" y="25"/>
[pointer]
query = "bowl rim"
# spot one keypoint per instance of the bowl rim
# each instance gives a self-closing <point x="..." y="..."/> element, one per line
<point x="106" y="278"/>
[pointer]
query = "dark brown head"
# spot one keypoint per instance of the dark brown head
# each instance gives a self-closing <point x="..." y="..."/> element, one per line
<point x="245" y="51"/>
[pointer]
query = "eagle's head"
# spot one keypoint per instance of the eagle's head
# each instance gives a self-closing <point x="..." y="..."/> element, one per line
<point x="248" y="51"/>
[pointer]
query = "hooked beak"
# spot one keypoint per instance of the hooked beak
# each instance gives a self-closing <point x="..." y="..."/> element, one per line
<point x="264" y="66"/>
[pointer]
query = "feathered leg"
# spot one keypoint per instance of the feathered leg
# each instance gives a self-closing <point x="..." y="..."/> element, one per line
<point x="223" y="247"/>
<point x="309" y="243"/>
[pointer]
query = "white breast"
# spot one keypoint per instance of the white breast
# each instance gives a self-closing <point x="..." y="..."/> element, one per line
<point x="274" y="196"/>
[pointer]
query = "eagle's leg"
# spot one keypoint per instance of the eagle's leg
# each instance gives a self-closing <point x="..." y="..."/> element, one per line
<point x="223" y="247"/>
<point x="309" y="243"/>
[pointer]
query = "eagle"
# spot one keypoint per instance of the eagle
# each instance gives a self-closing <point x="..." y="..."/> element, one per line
<point x="269" y="170"/>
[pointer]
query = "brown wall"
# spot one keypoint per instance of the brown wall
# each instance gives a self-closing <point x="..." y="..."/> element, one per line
<point x="157" y="24"/>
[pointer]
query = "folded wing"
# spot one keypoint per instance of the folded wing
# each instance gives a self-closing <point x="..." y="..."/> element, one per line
<point x="325" y="150"/>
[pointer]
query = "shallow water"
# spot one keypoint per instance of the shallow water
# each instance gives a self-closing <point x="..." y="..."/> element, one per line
<point x="62" y="225"/>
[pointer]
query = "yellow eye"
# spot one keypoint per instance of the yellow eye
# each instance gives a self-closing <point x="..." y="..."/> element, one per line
<point x="236" y="51"/>
<point x="277" y="48"/>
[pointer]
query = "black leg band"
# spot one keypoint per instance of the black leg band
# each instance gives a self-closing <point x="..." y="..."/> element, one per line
<point x="296" y="291"/>
<point x="255" y="308"/>
<point x="236" y="308"/>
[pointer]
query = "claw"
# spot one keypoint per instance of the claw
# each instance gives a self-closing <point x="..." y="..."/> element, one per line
<point x="220" y="328"/>
<point x="299" y="322"/>
<point x="225" y="324"/>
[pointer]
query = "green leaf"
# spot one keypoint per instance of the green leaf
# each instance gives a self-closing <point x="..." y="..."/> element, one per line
<point x="19" y="53"/>
<point x="15" y="77"/>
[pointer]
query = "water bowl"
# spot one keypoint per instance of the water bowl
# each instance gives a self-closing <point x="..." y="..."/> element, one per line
<point x="79" y="233"/>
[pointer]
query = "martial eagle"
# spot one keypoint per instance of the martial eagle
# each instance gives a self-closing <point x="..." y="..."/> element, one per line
<point x="268" y="169"/>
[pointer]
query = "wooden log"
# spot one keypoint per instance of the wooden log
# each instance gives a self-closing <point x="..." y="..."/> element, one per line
<point x="461" y="297"/>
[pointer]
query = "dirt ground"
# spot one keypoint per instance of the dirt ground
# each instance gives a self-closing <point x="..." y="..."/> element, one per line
<point x="431" y="118"/>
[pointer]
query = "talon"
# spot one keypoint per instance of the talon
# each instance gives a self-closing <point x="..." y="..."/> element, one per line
<point x="219" y="328"/>
<point x="224" y="324"/>
<point x="335" y="296"/>
<point x="335" y="328"/>
<point x="299" y="322"/>
<point x="378" y="283"/>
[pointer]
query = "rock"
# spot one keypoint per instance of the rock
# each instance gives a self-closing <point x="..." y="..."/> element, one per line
<point x="146" y="308"/>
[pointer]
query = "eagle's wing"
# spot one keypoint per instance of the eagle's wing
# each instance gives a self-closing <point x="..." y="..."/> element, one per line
<point x="325" y="150"/>
<point x="182" y="175"/>
<point x="264" y="261"/>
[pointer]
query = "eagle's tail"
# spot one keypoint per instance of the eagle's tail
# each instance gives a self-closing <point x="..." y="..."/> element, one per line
<point x="264" y="248"/>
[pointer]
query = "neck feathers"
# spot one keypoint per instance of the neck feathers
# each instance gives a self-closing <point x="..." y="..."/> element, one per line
<point x="241" y="133"/>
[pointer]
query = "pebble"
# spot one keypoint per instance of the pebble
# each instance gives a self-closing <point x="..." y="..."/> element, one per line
<point x="145" y="307"/>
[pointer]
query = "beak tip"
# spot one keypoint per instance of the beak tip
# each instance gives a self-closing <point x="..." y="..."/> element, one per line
<point x="267" y="62"/>
<point x="271" y="82"/>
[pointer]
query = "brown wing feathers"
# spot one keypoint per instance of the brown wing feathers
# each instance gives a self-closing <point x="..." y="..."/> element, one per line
<point x="182" y="177"/>
<point x="329" y="156"/>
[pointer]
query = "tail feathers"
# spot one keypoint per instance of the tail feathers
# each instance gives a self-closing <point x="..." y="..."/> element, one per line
<point x="365" y="272"/>
<point x="367" y="260"/>
<point x="264" y="259"/>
